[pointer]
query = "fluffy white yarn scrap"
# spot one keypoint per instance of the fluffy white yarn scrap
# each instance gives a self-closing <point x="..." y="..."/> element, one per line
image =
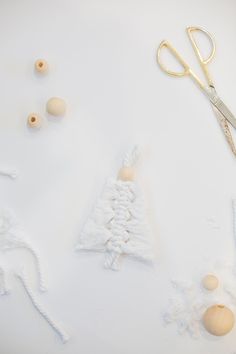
<point x="190" y="300"/>
<point x="117" y="225"/>
<point x="11" y="237"/>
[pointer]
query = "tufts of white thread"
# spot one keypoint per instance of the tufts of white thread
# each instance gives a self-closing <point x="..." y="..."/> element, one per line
<point x="63" y="335"/>
<point x="131" y="157"/>
<point x="3" y="287"/>
<point x="9" y="173"/>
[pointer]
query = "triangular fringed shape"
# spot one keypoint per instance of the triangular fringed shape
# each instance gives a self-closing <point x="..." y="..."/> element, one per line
<point x="117" y="225"/>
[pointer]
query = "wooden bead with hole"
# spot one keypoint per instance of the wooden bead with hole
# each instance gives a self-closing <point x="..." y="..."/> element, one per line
<point x="218" y="320"/>
<point x="56" y="106"/>
<point x="126" y="174"/>
<point x="34" y="120"/>
<point x="41" y="66"/>
<point x="210" y="282"/>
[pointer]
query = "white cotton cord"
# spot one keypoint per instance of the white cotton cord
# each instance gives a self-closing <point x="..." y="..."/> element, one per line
<point x="63" y="335"/>
<point x="9" y="173"/>
<point x="131" y="157"/>
<point x="42" y="286"/>
<point x="3" y="287"/>
<point x="18" y="243"/>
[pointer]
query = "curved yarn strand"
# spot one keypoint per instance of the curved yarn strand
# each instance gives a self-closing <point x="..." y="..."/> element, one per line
<point x="63" y="335"/>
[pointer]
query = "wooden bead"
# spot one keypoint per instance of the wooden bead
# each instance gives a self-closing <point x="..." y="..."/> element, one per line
<point x="126" y="174"/>
<point x="41" y="66"/>
<point x="218" y="320"/>
<point x="56" y="106"/>
<point x="210" y="282"/>
<point x="34" y="120"/>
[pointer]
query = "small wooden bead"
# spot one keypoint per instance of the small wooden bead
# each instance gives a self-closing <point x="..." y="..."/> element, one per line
<point x="218" y="320"/>
<point x="41" y="66"/>
<point x="126" y="174"/>
<point x="56" y="106"/>
<point x="34" y="120"/>
<point x="210" y="282"/>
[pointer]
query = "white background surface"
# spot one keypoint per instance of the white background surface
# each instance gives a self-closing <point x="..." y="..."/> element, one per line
<point x="102" y="61"/>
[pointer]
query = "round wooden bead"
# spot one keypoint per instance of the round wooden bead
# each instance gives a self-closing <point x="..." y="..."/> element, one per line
<point x="218" y="320"/>
<point x="41" y="66"/>
<point x="34" y="120"/>
<point x="126" y="174"/>
<point x="56" y="106"/>
<point x="210" y="282"/>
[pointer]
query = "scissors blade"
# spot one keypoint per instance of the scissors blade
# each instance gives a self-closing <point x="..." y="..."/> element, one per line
<point x="225" y="128"/>
<point x="221" y="107"/>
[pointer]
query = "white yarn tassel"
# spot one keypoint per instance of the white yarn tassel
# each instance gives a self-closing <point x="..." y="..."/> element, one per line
<point x="9" y="173"/>
<point x="63" y="335"/>
<point x="3" y="287"/>
<point x="131" y="157"/>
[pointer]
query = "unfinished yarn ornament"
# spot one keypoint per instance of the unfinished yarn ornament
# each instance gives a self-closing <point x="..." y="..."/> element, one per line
<point x="117" y="225"/>
<point x="11" y="237"/>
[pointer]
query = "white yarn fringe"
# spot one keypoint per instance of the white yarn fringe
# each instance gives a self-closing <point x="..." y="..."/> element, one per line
<point x="117" y="225"/>
<point x="63" y="335"/>
<point x="9" y="173"/>
<point x="131" y="157"/>
<point x="11" y="238"/>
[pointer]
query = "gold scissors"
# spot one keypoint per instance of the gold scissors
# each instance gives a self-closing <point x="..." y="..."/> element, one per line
<point x="221" y="110"/>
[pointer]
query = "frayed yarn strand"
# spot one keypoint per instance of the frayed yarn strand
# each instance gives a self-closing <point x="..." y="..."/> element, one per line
<point x="131" y="157"/>
<point x="63" y="335"/>
<point x="13" y="174"/>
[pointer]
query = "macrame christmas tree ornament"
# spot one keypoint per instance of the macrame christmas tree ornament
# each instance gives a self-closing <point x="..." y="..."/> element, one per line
<point x="11" y="237"/>
<point x="117" y="225"/>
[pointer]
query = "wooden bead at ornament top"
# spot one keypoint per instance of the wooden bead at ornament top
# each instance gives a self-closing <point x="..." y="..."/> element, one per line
<point x="41" y="66"/>
<point x="34" y="120"/>
<point x="218" y="320"/>
<point x="56" y="106"/>
<point x="210" y="282"/>
<point x="126" y="174"/>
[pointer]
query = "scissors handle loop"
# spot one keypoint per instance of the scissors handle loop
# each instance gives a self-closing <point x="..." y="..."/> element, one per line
<point x="203" y="62"/>
<point x="186" y="68"/>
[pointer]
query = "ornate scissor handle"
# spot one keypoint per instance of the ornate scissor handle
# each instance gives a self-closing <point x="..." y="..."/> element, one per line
<point x="173" y="51"/>
<point x="186" y="68"/>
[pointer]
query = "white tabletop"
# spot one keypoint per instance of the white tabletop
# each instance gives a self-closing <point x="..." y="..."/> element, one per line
<point x="102" y="62"/>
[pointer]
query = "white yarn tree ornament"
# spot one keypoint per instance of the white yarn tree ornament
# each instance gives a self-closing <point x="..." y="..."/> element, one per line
<point x="11" y="237"/>
<point x="117" y="225"/>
